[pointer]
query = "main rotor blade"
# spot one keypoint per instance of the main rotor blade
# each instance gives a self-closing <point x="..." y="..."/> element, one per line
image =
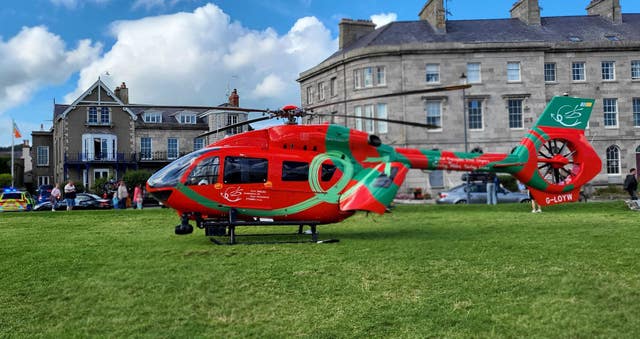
<point x="417" y="91"/>
<point x="408" y="123"/>
<point x="234" y="126"/>
<point x="200" y="115"/>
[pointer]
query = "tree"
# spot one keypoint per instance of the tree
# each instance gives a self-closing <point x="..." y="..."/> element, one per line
<point x="5" y="179"/>
<point x="134" y="178"/>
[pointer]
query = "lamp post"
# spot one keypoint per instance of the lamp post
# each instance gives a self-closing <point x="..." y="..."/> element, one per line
<point x="463" y="81"/>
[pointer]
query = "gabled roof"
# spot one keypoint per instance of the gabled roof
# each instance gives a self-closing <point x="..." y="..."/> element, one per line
<point x="589" y="28"/>
<point x="99" y="85"/>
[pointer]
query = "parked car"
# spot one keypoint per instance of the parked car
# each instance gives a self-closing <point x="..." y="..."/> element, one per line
<point x="13" y="200"/>
<point x="43" y="193"/>
<point x="84" y="201"/>
<point x="478" y="194"/>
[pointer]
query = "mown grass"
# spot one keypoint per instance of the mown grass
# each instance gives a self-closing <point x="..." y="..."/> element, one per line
<point x="422" y="271"/>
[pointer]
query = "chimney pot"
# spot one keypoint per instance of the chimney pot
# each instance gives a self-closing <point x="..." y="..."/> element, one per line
<point x="234" y="99"/>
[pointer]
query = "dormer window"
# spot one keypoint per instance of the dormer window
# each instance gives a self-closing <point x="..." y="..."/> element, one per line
<point x="575" y="38"/>
<point x="98" y="116"/>
<point x="187" y="118"/>
<point x="152" y="117"/>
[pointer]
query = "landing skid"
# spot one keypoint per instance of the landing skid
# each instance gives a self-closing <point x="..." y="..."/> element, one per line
<point x="227" y="229"/>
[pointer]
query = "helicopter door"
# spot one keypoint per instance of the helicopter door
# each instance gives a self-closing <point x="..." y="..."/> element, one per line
<point x="245" y="183"/>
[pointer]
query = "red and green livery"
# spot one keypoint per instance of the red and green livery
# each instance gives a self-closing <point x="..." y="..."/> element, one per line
<point x="325" y="173"/>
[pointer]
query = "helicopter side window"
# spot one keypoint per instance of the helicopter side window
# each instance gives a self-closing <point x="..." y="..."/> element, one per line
<point x="205" y="173"/>
<point x="327" y="172"/>
<point x="295" y="171"/>
<point x="385" y="181"/>
<point x="239" y="170"/>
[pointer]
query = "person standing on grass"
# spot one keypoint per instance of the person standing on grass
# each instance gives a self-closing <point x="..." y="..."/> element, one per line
<point x="631" y="184"/>
<point x="55" y="197"/>
<point x="70" y="195"/>
<point x="137" y="196"/>
<point x="123" y="194"/>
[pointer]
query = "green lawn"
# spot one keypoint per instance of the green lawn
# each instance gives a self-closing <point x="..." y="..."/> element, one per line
<point x="422" y="271"/>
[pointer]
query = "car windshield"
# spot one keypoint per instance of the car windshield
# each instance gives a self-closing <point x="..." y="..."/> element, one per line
<point x="7" y="196"/>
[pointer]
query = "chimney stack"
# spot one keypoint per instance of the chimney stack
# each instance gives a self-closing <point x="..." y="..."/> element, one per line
<point x="607" y="9"/>
<point x="352" y="30"/>
<point x="434" y="13"/>
<point x="528" y="11"/>
<point x="234" y="99"/>
<point x="122" y="92"/>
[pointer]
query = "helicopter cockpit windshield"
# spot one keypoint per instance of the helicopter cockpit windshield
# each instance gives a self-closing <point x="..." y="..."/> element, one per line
<point x="171" y="174"/>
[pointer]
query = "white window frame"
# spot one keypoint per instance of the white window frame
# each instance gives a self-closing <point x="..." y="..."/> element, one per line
<point x="367" y="76"/>
<point x="100" y="173"/>
<point x="44" y="180"/>
<point x="513" y="71"/>
<point x="321" y="91"/>
<point x="610" y="107"/>
<point x="636" y="112"/>
<point x="187" y="118"/>
<point x="107" y="141"/>
<point x="382" y="113"/>
<point x="198" y="143"/>
<point x="152" y="117"/>
<point x="92" y="115"/>
<point x="368" y="112"/>
<point x="42" y="156"/>
<point x="515" y="112"/>
<point x="333" y="84"/>
<point x="580" y="67"/>
<point x="635" y="69"/>
<point x="432" y="75"/>
<point x="474" y="76"/>
<point x="105" y="111"/>
<point x="148" y="156"/>
<point x="613" y="160"/>
<point x="357" y="111"/>
<point x="468" y="103"/>
<point x="433" y="110"/>
<point x="381" y="76"/>
<point x="170" y="154"/>
<point x="550" y="72"/>
<point x="608" y="69"/>
<point x="357" y="79"/>
<point x="309" y="95"/>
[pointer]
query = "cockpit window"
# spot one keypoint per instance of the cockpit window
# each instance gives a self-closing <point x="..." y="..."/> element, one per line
<point x="239" y="170"/>
<point x="205" y="173"/>
<point x="170" y="174"/>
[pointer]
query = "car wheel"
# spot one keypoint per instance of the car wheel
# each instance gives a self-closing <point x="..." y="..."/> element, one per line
<point x="525" y="201"/>
<point x="461" y="202"/>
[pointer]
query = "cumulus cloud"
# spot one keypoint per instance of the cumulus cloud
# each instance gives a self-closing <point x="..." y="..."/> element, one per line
<point x="196" y="57"/>
<point x="34" y="58"/>
<point x="383" y="18"/>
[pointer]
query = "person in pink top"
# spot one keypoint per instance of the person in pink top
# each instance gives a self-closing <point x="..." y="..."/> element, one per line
<point x="137" y="196"/>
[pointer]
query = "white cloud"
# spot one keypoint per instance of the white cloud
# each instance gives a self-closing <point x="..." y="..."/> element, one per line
<point x="383" y="18"/>
<point x="35" y="58"/>
<point x="73" y="4"/>
<point x="195" y="58"/>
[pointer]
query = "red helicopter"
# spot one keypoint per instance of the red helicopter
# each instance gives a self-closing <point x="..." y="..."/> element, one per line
<point x="321" y="174"/>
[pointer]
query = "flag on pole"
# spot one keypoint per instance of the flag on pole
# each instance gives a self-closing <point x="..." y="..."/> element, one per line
<point x="16" y="131"/>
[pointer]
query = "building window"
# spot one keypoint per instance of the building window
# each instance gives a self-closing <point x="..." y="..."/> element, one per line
<point x="105" y="115"/>
<point x="610" y="107"/>
<point x="381" y="113"/>
<point x="100" y="173"/>
<point x="549" y="72"/>
<point x="613" y="160"/>
<point x="515" y="113"/>
<point x="172" y="148"/>
<point x="44" y="180"/>
<point x="321" y="91"/>
<point x="233" y="119"/>
<point x="513" y="71"/>
<point x="187" y="118"/>
<point x="474" y="73"/>
<point x="433" y="73"/>
<point x="368" y="77"/>
<point x="43" y="156"/>
<point x="309" y="95"/>
<point x="636" y="112"/>
<point x="334" y="87"/>
<point x="381" y="77"/>
<point x="357" y="111"/>
<point x="92" y="117"/>
<point x="474" y="109"/>
<point x="368" y="123"/>
<point x="434" y="113"/>
<point x="357" y="78"/>
<point x="577" y="71"/>
<point x="608" y="70"/>
<point x="152" y="117"/>
<point x="635" y="69"/>
<point x="145" y="148"/>
<point x="198" y="143"/>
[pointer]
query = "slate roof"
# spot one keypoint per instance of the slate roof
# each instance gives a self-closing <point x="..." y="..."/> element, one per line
<point x="589" y="28"/>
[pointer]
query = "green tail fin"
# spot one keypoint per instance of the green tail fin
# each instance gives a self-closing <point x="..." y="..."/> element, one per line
<point x="567" y="112"/>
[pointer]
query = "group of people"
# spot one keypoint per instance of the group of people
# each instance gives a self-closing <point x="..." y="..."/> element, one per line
<point x="69" y="196"/>
<point x="120" y="196"/>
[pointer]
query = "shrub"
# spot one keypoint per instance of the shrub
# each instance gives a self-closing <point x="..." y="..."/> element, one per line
<point x="134" y="178"/>
<point x="5" y="179"/>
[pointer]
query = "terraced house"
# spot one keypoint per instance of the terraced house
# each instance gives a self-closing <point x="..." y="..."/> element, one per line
<point x="516" y="65"/>
<point x="102" y="135"/>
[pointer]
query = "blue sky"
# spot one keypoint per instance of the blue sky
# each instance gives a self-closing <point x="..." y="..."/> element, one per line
<point x="187" y="51"/>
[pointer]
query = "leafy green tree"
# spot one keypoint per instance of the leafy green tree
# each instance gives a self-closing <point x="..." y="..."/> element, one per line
<point x="5" y="179"/>
<point x="134" y="178"/>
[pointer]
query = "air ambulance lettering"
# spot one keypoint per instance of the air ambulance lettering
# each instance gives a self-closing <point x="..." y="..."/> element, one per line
<point x="558" y="199"/>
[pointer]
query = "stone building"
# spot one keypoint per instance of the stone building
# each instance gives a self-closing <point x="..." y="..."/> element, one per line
<point x="101" y="135"/>
<point x="516" y="65"/>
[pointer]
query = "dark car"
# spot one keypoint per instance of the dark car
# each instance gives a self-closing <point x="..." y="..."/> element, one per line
<point x="84" y="201"/>
<point x="43" y="193"/>
<point x="478" y="194"/>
